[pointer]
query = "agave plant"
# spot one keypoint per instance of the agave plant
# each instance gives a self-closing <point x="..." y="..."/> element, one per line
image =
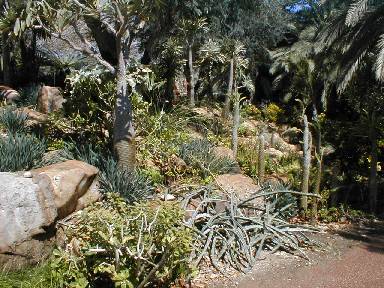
<point x="19" y="152"/>
<point x="13" y="121"/>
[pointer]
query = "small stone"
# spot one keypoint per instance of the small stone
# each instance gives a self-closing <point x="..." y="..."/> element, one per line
<point x="167" y="197"/>
<point x="27" y="174"/>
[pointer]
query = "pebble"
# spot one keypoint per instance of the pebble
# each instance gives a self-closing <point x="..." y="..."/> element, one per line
<point x="167" y="197"/>
<point x="27" y="174"/>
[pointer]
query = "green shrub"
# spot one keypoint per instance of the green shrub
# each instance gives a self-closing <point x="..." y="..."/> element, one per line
<point x="251" y="111"/>
<point x="272" y="112"/>
<point x="200" y="154"/>
<point x="125" y="246"/>
<point x="13" y="121"/>
<point x="20" y="152"/>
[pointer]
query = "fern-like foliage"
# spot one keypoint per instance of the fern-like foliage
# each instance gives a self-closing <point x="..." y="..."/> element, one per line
<point x="20" y="152"/>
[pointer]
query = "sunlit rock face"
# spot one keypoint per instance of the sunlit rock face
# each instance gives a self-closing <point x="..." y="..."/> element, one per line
<point x="31" y="203"/>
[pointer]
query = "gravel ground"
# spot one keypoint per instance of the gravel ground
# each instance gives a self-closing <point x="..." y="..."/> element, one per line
<point x="351" y="257"/>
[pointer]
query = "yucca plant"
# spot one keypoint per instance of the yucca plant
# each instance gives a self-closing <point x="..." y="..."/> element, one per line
<point x="132" y="186"/>
<point x="13" y="121"/>
<point x="20" y="152"/>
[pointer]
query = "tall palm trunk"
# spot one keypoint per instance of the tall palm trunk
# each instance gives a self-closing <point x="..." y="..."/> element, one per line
<point x="227" y="102"/>
<point x="374" y="159"/>
<point x="6" y="61"/>
<point x="192" y="77"/>
<point x="123" y="131"/>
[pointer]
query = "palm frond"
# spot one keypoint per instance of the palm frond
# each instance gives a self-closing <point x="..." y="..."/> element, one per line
<point x="379" y="63"/>
<point x="356" y="11"/>
<point x="349" y="72"/>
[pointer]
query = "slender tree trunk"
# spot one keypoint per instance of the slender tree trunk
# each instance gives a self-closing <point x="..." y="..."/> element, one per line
<point x="227" y="103"/>
<point x="307" y="145"/>
<point x="6" y="61"/>
<point x="374" y="159"/>
<point x="192" y="77"/>
<point x="236" y="122"/>
<point x="30" y="66"/>
<point x="124" y="133"/>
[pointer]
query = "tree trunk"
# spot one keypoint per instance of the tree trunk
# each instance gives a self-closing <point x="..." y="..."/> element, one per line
<point x="374" y="160"/>
<point x="227" y="102"/>
<point x="6" y="61"/>
<point x="192" y="77"/>
<point x="30" y="66"/>
<point x="123" y="130"/>
<point x="307" y="145"/>
<point x="236" y="122"/>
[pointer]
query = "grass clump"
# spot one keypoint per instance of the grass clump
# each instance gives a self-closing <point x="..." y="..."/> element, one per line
<point x="20" y="152"/>
<point x="13" y="121"/>
<point x="200" y="154"/>
<point x="37" y="277"/>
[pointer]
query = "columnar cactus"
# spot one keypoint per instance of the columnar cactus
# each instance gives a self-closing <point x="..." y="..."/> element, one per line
<point x="261" y="159"/>
<point x="307" y="147"/>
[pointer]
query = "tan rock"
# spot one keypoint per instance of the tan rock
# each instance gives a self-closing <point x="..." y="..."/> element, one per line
<point x="49" y="99"/>
<point x="241" y="185"/>
<point x="68" y="182"/>
<point x="274" y="153"/>
<point x="34" y="117"/>
<point x="222" y="151"/>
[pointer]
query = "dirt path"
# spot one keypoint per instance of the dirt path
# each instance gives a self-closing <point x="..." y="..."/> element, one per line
<point x="354" y="258"/>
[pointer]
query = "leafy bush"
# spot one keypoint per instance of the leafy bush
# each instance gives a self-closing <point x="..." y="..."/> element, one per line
<point x="200" y="154"/>
<point x="20" y="152"/>
<point x="251" y="111"/>
<point x="13" y="121"/>
<point x="272" y="112"/>
<point x="113" y="244"/>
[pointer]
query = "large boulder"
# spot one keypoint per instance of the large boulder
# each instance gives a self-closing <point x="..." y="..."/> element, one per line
<point x="31" y="204"/>
<point x="71" y="183"/>
<point x="49" y="99"/>
<point x="8" y="95"/>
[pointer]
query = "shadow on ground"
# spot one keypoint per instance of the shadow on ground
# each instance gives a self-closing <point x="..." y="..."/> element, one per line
<point x="371" y="235"/>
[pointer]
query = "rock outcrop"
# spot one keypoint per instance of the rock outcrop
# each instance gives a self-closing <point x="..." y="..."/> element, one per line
<point x="31" y="204"/>
<point x="49" y="99"/>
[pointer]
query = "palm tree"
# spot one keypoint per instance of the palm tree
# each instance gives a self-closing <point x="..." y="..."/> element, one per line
<point x="355" y="34"/>
<point x="357" y="37"/>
